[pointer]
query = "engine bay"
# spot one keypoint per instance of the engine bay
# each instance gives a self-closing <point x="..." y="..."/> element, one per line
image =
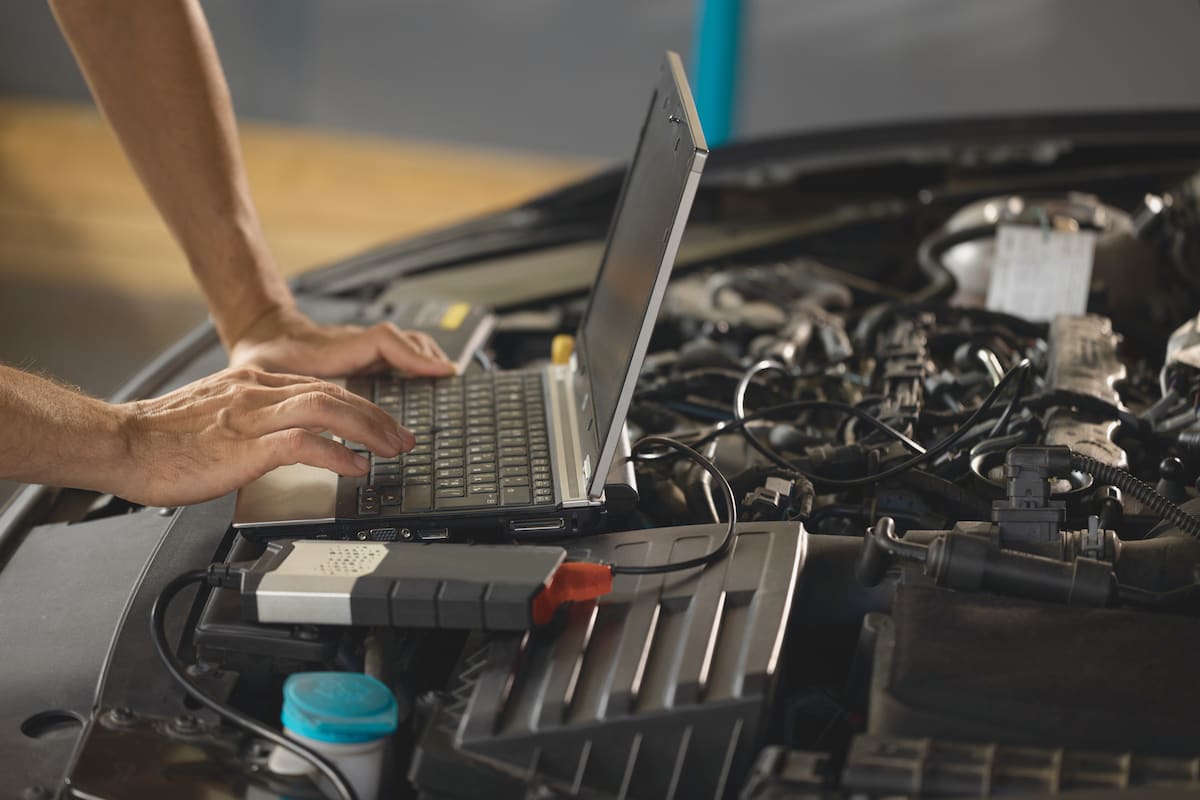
<point x="967" y="552"/>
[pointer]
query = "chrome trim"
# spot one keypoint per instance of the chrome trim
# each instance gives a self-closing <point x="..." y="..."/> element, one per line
<point x="328" y="606"/>
<point x="563" y="432"/>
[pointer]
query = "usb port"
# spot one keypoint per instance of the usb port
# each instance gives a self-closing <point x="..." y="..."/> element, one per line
<point x="537" y="524"/>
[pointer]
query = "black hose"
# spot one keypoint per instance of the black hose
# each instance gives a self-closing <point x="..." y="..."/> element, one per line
<point x="158" y="632"/>
<point x="1113" y="476"/>
<point x="717" y="553"/>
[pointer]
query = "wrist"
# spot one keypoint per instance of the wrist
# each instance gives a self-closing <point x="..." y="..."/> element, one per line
<point x="240" y="280"/>
<point x="114" y="456"/>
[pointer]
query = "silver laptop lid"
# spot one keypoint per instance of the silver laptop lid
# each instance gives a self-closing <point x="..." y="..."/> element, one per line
<point x="642" y="242"/>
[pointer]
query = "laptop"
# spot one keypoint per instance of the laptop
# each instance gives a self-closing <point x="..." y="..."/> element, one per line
<point x="526" y="452"/>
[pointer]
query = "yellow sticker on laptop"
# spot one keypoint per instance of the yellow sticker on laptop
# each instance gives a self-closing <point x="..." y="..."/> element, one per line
<point x="454" y="315"/>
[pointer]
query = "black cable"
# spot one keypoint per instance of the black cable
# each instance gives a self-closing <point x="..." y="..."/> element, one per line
<point x="818" y="405"/>
<point x="158" y="632"/>
<point x="945" y="444"/>
<point x="933" y="452"/>
<point x="1107" y="474"/>
<point x="730" y="426"/>
<point x="739" y="415"/>
<point x="730" y="504"/>
<point x="1012" y="404"/>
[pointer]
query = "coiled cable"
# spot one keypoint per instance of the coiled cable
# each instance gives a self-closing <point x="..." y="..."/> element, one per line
<point x="1161" y="506"/>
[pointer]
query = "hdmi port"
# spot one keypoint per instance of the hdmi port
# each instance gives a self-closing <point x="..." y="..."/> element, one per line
<point x="537" y="524"/>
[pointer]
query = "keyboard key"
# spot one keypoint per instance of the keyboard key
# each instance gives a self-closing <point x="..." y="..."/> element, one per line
<point x="484" y="488"/>
<point x="483" y="477"/>
<point x="449" y="492"/>
<point x="515" y="496"/>
<point x="418" y="480"/>
<point x="411" y="470"/>
<point x="482" y="469"/>
<point x="416" y="499"/>
<point x="481" y="458"/>
<point x="513" y="461"/>
<point x="515" y="480"/>
<point x="386" y="469"/>
<point x="469" y="501"/>
<point x="510" y="471"/>
<point x="447" y="463"/>
<point x="450" y="483"/>
<point x="450" y="473"/>
<point x="391" y="497"/>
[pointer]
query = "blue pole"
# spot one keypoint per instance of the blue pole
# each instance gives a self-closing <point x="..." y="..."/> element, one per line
<point x="715" y="65"/>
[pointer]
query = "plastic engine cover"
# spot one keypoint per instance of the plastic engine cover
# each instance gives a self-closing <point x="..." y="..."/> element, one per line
<point x="657" y="690"/>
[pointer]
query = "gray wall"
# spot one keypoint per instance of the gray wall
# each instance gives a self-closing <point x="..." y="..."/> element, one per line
<point x="569" y="76"/>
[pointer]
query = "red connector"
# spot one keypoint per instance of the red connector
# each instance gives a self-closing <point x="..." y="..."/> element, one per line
<point x="572" y="581"/>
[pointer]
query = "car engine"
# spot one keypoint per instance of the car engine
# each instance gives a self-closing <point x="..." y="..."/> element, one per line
<point x="967" y="560"/>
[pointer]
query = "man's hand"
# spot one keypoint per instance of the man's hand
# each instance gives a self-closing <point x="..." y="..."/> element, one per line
<point x="198" y="442"/>
<point x="284" y="340"/>
<point x="219" y="433"/>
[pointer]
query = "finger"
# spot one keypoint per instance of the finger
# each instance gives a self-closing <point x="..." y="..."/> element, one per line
<point x="259" y="377"/>
<point x="296" y="446"/>
<point x="321" y="411"/>
<point x="430" y="347"/>
<point x="402" y="352"/>
<point x="249" y="398"/>
<point x="281" y="379"/>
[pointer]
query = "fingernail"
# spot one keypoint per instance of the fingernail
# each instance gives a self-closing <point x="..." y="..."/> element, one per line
<point x="361" y="462"/>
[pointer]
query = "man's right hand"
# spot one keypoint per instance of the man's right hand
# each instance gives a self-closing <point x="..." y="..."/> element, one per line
<point x="221" y="432"/>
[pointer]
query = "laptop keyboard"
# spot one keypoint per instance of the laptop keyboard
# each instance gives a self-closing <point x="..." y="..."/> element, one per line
<point x="481" y="443"/>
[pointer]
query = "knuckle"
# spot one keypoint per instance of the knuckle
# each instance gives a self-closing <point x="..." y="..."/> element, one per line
<point x="332" y="390"/>
<point x="226" y="420"/>
<point x="246" y="374"/>
<point x="316" y="401"/>
<point x="294" y="441"/>
<point x="388" y="329"/>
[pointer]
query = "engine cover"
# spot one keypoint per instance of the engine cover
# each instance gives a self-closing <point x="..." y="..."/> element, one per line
<point x="657" y="690"/>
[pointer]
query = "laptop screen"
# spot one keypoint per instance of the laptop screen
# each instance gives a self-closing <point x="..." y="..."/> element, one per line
<point x="642" y="241"/>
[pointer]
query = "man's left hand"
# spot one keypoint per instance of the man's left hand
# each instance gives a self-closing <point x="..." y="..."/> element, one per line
<point x="285" y="340"/>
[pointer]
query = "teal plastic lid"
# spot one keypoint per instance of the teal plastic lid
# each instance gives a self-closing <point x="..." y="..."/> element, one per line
<point x="338" y="707"/>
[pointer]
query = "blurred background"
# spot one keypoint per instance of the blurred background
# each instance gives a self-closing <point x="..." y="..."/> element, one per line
<point x="368" y="120"/>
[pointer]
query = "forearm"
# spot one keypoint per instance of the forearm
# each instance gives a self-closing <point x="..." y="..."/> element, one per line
<point x="153" y="70"/>
<point x="57" y="436"/>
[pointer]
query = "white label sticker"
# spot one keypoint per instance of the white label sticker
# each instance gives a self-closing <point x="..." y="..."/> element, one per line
<point x="1038" y="274"/>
